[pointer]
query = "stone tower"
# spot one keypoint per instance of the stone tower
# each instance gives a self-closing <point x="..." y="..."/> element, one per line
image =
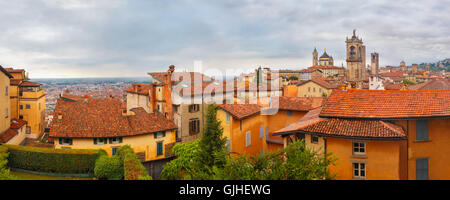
<point x="356" y="59"/>
<point x="403" y="66"/>
<point x="428" y="67"/>
<point x="315" y="57"/>
<point x="415" y="67"/>
<point x="374" y="64"/>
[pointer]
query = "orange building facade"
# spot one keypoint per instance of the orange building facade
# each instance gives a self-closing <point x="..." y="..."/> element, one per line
<point x="380" y="135"/>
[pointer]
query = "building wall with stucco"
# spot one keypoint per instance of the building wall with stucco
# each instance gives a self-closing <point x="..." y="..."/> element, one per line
<point x="5" y="103"/>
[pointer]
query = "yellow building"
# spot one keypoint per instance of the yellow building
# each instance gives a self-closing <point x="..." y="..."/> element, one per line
<point x="89" y="123"/>
<point x="5" y="112"/>
<point x="27" y="102"/>
<point x="315" y="88"/>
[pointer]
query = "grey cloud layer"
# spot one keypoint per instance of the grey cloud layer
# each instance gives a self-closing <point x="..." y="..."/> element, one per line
<point x="129" y="38"/>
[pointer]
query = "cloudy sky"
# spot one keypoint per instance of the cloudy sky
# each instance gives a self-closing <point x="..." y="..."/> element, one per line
<point x="114" y="38"/>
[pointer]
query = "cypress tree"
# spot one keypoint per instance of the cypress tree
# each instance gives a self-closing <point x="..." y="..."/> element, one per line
<point x="212" y="145"/>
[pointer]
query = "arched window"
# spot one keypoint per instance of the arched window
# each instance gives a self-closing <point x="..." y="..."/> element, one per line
<point x="352" y="51"/>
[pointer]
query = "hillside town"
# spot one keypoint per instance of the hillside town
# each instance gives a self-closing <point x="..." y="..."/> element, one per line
<point x="380" y="123"/>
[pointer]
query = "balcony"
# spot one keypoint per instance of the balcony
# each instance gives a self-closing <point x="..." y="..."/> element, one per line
<point x="31" y="94"/>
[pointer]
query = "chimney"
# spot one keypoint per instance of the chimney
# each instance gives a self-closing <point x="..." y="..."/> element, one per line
<point x="59" y="116"/>
<point x="124" y="112"/>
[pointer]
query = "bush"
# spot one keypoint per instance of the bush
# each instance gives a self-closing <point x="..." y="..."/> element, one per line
<point x="4" y="172"/>
<point x="109" y="168"/>
<point x="133" y="168"/>
<point x="64" y="161"/>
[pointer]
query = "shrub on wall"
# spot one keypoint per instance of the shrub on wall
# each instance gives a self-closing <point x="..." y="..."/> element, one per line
<point x="61" y="161"/>
<point x="109" y="168"/>
<point x="4" y="171"/>
<point x="133" y="168"/>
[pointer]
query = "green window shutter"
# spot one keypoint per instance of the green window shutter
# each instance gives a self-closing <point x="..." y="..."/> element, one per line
<point x="120" y="140"/>
<point x="159" y="149"/>
<point x="70" y="142"/>
<point x="95" y="140"/>
<point x="155" y="135"/>
<point x="164" y="134"/>
<point x="110" y="140"/>
<point x="60" y="140"/>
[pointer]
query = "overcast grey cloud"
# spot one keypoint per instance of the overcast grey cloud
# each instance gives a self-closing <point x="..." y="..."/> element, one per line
<point x="111" y="38"/>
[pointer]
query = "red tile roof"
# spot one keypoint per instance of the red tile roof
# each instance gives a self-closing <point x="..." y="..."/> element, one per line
<point x="199" y="88"/>
<point x="310" y="118"/>
<point x="15" y="82"/>
<point x="5" y="71"/>
<point x="8" y="135"/>
<point x="178" y="76"/>
<point x="142" y="89"/>
<point x="30" y="84"/>
<point x="17" y="123"/>
<point x="355" y="128"/>
<point x="322" y="82"/>
<point x="297" y="103"/>
<point x="387" y="104"/>
<point x="241" y="111"/>
<point x="325" y="67"/>
<point x="436" y="84"/>
<point x="103" y="118"/>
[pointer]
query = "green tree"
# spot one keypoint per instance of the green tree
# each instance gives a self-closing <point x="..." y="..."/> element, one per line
<point x="185" y="165"/>
<point x="408" y="82"/>
<point x="212" y="144"/>
<point x="293" y="78"/>
<point x="110" y="168"/>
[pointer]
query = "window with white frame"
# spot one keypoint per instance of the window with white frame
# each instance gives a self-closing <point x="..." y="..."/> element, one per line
<point x="359" y="170"/>
<point x="228" y="118"/>
<point x="359" y="148"/>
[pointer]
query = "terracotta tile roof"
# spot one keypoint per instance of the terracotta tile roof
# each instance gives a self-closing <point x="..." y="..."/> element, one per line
<point x="309" y="70"/>
<point x="30" y="84"/>
<point x="393" y="74"/>
<point x="297" y="103"/>
<point x="8" y="135"/>
<point x="103" y="118"/>
<point x="310" y="118"/>
<point x="436" y="84"/>
<point x="5" y="71"/>
<point x="15" y="82"/>
<point x="387" y="104"/>
<point x="142" y="89"/>
<point x="355" y="128"/>
<point x="17" y="123"/>
<point x="161" y="76"/>
<point x="393" y="86"/>
<point x="241" y="111"/>
<point x="71" y="97"/>
<point x="199" y="88"/>
<point x="263" y="87"/>
<point x="11" y="70"/>
<point x="322" y="82"/>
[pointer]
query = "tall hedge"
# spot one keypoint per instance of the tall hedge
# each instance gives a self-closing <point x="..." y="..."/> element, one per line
<point x="61" y="161"/>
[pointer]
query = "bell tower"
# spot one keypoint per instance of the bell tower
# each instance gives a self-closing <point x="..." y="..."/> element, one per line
<point x="374" y="64"/>
<point x="356" y="58"/>
<point x="315" y="57"/>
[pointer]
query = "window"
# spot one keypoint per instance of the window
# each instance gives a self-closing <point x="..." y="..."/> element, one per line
<point x="39" y="106"/>
<point x="27" y="106"/>
<point x="228" y="145"/>
<point x="228" y="118"/>
<point x="21" y="107"/>
<point x="194" y="126"/>
<point x="359" y="170"/>
<point x="289" y="113"/>
<point x="114" y="150"/>
<point x="314" y="89"/>
<point x="314" y="139"/>
<point x="422" y="130"/>
<point x="267" y="133"/>
<point x="6" y="113"/>
<point x="6" y="91"/>
<point x="309" y="89"/>
<point x="28" y="129"/>
<point x="320" y="90"/>
<point x="160" y="134"/>
<point x="159" y="149"/>
<point x="359" y="148"/>
<point x="261" y="132"/>
<point x="248" y="139"/>
<point x="115" y="140"/>
<point x="65" y="141"/>
<point x="194" y="108"/>
<point x="100" y="141"/>
<point x="422" y="169"/>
